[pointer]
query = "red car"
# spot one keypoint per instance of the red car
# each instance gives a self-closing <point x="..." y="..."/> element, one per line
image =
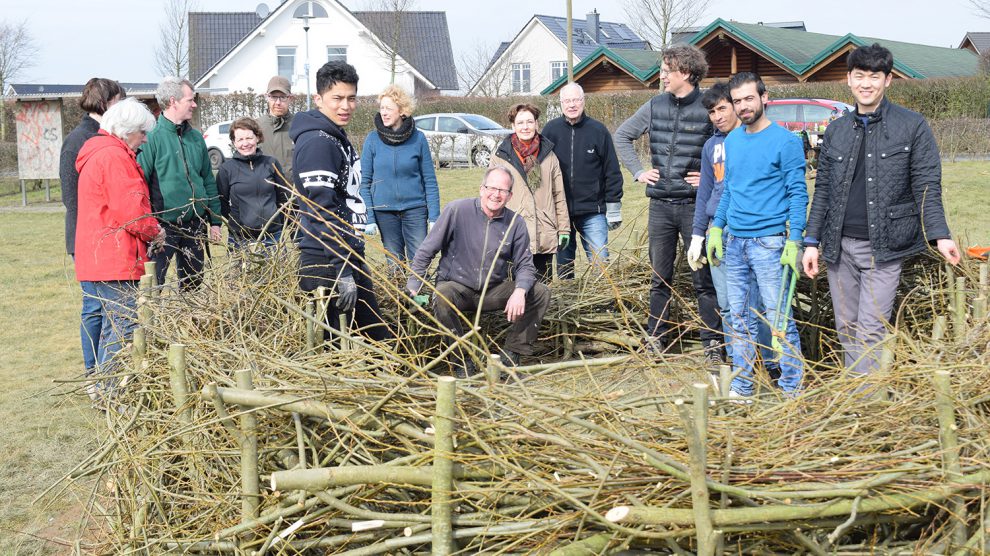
<point x="811" y="115"/>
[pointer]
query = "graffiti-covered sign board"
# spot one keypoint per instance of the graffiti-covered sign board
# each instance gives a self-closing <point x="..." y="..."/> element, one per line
<point x="39" y="139"/>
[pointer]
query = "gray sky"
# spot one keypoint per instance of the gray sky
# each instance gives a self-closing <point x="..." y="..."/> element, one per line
<point x="115" y="38"/>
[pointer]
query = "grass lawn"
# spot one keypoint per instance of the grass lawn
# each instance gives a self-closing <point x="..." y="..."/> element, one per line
<point x="44" y="435"/>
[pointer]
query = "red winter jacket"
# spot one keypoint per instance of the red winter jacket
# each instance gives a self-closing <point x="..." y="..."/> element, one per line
<point x="114" y="224"/>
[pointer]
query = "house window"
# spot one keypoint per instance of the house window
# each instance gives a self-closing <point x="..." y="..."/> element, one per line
<point x="337" y="53"/>
<point x="557" y="70"/>
<point x="286" y="61"/>
<point x="520" y="78"/>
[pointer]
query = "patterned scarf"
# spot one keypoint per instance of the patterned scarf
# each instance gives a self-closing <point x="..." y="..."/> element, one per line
<point x="527" y="155"/>
<point x="392" y="136"/>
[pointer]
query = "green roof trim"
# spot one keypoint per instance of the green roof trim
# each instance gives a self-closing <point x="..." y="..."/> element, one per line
<point x="641" y="64"/>
<point x="799" y="51"/>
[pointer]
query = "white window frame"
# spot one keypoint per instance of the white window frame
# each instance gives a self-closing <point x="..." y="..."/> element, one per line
<point x="337" y="47"/>
<point x="521" y="77"/>
<point x="558" y="69"/>
<point x="282" y="52"/>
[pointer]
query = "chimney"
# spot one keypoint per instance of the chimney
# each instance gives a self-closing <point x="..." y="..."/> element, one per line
<point x="591" y="26"/>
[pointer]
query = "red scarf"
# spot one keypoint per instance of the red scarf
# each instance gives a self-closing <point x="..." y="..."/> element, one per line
<point x="526" y="151"/>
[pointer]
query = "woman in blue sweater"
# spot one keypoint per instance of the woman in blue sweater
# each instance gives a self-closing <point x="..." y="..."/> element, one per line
<point x="398" y="183"/>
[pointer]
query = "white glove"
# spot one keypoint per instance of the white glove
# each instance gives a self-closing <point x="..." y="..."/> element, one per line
<point x="613" y="215"/>
<point x="370" y="229"/>
<point x="429" y="226"/>
<point x="695" y="256"/>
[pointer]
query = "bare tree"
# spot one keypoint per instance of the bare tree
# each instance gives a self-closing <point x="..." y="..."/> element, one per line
<point x="981" y="8"/>
<point x="654" y="20"/>
<point x="392" y="14"/>
<point x="479" y="71"/>
<point x="172" y="52"/>
<point x="18" y="52"/>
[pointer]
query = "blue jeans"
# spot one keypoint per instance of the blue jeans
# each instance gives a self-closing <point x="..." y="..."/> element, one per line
<point x="593" y="230"/>
<point x="118" y="304"/>
<point x="402" y="231"/>
<point x="91" y="325"/>
<point x="759" y="257"/>
<point x="720" y="279"/>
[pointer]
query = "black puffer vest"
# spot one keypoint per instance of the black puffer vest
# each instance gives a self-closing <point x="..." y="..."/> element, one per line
<point x="679" y="128"/>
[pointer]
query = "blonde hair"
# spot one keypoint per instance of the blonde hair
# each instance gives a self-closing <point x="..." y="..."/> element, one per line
<point x="401" y="99"/>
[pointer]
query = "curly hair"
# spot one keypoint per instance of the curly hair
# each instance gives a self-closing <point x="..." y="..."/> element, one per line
<point x="686" y="59"/>
<point x="401" y="99"/>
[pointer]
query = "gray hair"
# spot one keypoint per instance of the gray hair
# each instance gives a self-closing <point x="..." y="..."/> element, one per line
<point x="169" y="88"/>
<point x="574" y="86"/>
<point x="126" y="117"/>
<point x="488" y="172"/>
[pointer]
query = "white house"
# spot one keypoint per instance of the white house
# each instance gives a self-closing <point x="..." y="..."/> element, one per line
<point x="239" y="51"/>
<point x="537" y="55"/>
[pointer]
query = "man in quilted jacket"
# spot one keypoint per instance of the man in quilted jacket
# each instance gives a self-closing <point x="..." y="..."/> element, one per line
<point x="877" y="201"/>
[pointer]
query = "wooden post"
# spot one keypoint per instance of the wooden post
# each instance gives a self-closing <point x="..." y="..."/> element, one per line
<point x="139" y="348"/>
<point x="150" y="267"/>
<point x="177" y="379"/>
<point x="984" y="279"/>
<point x="945" y="409"/>
<point x="959" y="308"/>
<point x="938" y="330"/>
<point x="887" y="352"/>
<point x="250" y="491"/>
<point x="310" y="325"/>
<point x="48" y="191"/>
<point x="443" y="467"/>
<point x="724" y="380"/>
<point x="345" y="342"/>
<point x="696" y="435"/>
<point x="144" y="301"/>
<point x="493" y="371"/>
<point x="24" y="194"/>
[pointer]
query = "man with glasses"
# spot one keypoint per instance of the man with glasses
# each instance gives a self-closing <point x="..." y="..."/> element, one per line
<point x="678" y="127"/>
<point x="592" y="178"/>
<point x="275" y="128"/>
<point x="480" y="241"/>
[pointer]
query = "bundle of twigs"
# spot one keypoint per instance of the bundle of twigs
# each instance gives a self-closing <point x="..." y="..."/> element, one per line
<point x="237" y="430"/>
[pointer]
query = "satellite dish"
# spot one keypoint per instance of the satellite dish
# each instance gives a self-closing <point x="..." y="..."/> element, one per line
<point x="262" y="10"/>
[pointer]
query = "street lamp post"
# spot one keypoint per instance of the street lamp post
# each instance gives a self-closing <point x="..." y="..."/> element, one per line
<point x="305" y="12"/>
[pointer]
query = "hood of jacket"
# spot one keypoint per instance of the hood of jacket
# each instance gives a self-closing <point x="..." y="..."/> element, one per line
<point x="100" y="141"/>
<point x="314" y="120"/>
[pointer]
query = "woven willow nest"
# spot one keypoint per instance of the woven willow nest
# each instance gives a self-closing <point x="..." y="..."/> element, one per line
<point x="586" y="455"/>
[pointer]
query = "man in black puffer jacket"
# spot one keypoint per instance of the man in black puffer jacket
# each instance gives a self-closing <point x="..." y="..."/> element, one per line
<point x="678" y="127"/>
<point x="878" y="200"/>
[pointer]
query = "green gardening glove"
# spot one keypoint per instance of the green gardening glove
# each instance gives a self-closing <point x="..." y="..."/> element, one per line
<point x="789" y="256"/>
<point x="421" y="300"/>
<point x="563" y="240"/>
<point x="714" y="250"/>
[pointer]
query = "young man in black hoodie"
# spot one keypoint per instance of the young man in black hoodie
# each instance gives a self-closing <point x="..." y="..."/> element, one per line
<point x="327" y="176"/>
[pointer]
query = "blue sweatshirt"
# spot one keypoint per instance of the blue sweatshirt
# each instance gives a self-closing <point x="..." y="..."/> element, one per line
<point x="712" y="183"/>
<point x="399" y="177"/>
<point x="764" y="184"/>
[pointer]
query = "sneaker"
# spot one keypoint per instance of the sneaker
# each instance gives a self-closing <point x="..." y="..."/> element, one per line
<point x="737" y="398"/>
<point x="713" y="354"/>
<point x="654" y="344"/>
<point x="773" y="370"/>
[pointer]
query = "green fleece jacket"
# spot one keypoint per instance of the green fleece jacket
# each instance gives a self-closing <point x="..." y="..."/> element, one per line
<point x="180" y="178"/>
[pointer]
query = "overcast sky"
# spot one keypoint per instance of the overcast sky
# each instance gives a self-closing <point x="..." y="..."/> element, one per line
<point x="115" y="38"/>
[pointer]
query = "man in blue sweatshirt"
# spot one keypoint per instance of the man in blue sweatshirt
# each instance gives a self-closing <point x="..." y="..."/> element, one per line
<point x="327" y="176"/>
<point x="764" y="204"/>
<point x="718" y="102"/>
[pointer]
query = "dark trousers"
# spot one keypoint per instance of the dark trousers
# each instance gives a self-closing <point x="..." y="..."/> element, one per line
<point x="315" y="272"/>
<point x="454" y="299"/>
<point x="186" y="243"/>
<point x="544" y="267"/>
<point x="669" y="221"/>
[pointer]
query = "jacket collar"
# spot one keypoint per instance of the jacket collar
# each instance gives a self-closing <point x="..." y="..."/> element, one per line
<point x="580" y="121"/>
<point x="687" y="99"/>
<point x="257" y="154"/>
<point x="178" y="129"/>
<point x="874" y="117"/>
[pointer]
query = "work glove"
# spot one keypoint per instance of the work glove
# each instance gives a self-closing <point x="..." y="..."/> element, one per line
<point x="790" y="254"/>
<point x="370" y="229"/>
<point x="422" y="300"/>
<point x="429" y="226"/>
<point x="613" y="214"/>
<point x="347" y="293"/>
<point x="696" y="259"/>
<point x="563" y="240"/>
<point x="715" y="251"/>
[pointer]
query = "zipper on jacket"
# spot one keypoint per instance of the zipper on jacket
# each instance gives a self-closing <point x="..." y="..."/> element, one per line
<point x="673" y="142"/>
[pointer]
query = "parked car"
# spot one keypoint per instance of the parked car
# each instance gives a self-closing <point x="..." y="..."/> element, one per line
<point x="461" y="138"/>
<point x="217" y="138"/>
<point x="809" y="115"/>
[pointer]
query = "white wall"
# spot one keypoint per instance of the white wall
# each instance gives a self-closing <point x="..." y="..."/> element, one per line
<point x="538" y="46"/>
<point x="255" y="61"/>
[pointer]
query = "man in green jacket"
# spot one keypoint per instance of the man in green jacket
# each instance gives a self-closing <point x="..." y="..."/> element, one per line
<point x="180" y="180"/>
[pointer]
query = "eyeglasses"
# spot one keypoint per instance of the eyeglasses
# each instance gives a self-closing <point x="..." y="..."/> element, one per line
<point x="497" y="190"/>
<point x="278" y="98"/>
<point x="566" y="101"/>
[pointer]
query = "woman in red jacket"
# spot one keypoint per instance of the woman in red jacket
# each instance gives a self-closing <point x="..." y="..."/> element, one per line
<point x="114" y="224"/>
